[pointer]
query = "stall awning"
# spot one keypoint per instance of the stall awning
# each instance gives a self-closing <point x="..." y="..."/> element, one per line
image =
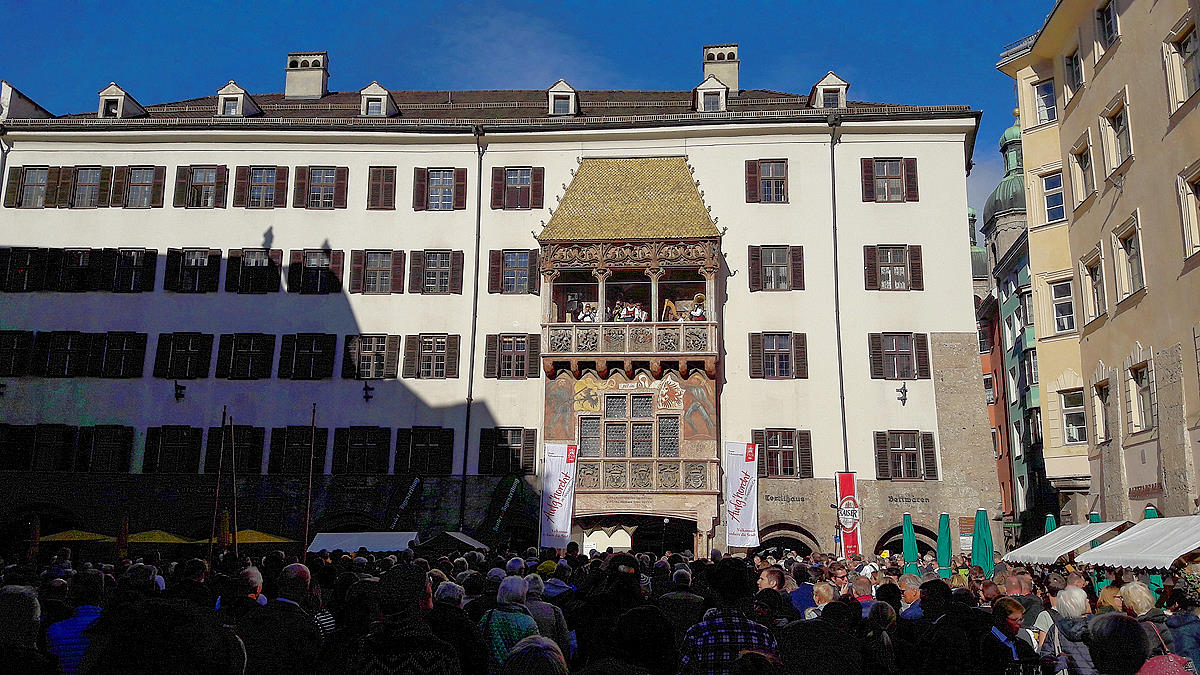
<point x="1154" y="543"/>
<point x="1048" y="548"/>
<point x="372" y="541"/>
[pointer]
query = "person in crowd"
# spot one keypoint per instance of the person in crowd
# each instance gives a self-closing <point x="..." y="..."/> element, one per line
<point x="1110" y="600"/>
<point x="403" y="642"/>
<point x="1002" y="646"/>
<point x="682" y="608"/>
<point x="641" y="644"/>
<point x="190" y="584"/>
<point x="535" y="655"/>
<point x="1184" y="623"/>
<point x="359" y="611"/>
<point x="155" y="636"/>
<point x="802" y="597"/>
<point x="614" y="587"/>
<point x="510" y="621"/>
<point x="245" y="589"/>
<point x="910" y="596"/>
<point x="711" y="646"/>
<point x="988" y="592"/>
<point x="550" y="619"/>
<point x="890" y="593"/>
<point x="878" y="633"/>
<point x="1066" y="636"/>
<point x="476" y="608"/>
<point x="823" y="594"/>
<point x="839" y="577"/>
<point x="559" y="590"/>
<point x="1117" y="644"/>
<point x="1139" y="602"/>
<point x="1053" y="584"/>
<point x="20" y="613"/>
<point x="1019" y="587"/>
<point x="282" y="637"/>
<point x="949" y="633"/>
<point x="68" y="640"/>
<point x="826" y="645"/>
<point x="450" y="623"/>
<point x="864" y="592"/>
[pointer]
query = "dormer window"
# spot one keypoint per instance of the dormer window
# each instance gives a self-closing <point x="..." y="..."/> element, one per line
<point x="233" y="101"/>
<point x="375" y="107"/>
<point x="561" y="99"/>
<point x="830" y="98"/>
<point x="712" y="101"/>
<point x="562" y="105"/>
<point x="229" y="106"/>
<point x="829" y="92"/>
<point x="111" y="106"/>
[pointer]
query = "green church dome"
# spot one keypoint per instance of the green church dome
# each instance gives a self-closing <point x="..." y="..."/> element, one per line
<point x="1009" y="195"/>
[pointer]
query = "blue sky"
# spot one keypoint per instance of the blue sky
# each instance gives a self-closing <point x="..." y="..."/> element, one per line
<point x="897" y="51"/>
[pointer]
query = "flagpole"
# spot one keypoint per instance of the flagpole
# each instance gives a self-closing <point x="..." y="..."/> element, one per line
<point x="217" y="489"/>
<point x="233" y="473"/>
<point x="312" y="451"/>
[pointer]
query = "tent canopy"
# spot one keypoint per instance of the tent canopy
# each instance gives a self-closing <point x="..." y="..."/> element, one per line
<point x="1154" y="543"/>
<point x="250" y="537"/>
<point x="352" y="541"/>
<point x="157" y="537"/>
<point x="76" y="535"/>
<point x="445" y="542"/>
<point x="1064" y="540"/>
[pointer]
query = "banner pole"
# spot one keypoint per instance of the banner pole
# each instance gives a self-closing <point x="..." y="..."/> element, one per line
<point x="233" y="474"/>
<point x="217" y="489"/>
<point x="312" y="451"/>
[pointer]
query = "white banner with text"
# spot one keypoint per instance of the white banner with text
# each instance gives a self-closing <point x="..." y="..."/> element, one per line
<point x="558" y="495"/>
<point x="741" y="494"/>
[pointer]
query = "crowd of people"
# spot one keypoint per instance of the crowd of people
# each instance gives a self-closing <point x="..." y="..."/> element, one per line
<point x="537" y="613"/>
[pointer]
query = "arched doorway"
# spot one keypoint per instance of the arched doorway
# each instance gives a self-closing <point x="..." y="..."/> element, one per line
<point x="637" y="533"/>
<point x="788" y="536"/>
<point x="778" y="546"/>
<point x="893" y="540"/>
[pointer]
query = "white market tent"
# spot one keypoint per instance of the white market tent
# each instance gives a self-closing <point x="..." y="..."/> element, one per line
<point x="1063" y="541"/>
<point x="1154" y="543"/>
<point x="352" y="541"/>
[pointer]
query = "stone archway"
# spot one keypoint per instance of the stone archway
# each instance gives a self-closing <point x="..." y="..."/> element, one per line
<point x="784" y="532"/>
<point x="892" y="539"/>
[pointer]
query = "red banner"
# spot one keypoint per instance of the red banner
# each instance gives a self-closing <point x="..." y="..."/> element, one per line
<point x="849" y="512"/>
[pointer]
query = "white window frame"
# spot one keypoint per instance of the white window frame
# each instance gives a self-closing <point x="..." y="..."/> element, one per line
<point x="375" y="107"/>
<point x="1188" y="185"/>
<point x="711" y="100"/>
<point x="1095" y="305"/>
<point x="1045" y="113"/>
<point x="989" y="389"/>
<point x="1014" y="441"/>
<point x="1048" y="192"/>
<point x="1073" y="412"/>
<point x="1142" y="413"/>
<point x="1013" y="393"/>
<point x="1103" y="422"/>
<point x="1106" y="13"/>
<point x="1116" y="152"/>
<point x="1083" y="180"/>
<point x="1127" y="281"/>
<point x="1073" y="79"/>
<point x="226" y="110"/>
<point x="1056" y="301"/>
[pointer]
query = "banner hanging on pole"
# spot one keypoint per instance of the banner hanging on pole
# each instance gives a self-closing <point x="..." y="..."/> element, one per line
<point x="849" y="512"/>
<point x="558" y="495"/>
<point x="741" y="494"/>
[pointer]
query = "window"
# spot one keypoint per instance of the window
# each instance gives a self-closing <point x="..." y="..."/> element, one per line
<point x="780" y="452"/>
<point x="1074" y="422"/>
<point x="1052" y="194"/>
<point x="245" y="356"/>
<point x="437" y="272"/>
<point x="1118" y="135"/>
<point x="629" y="429"/>
<point x="1025" y="311"/>
<point x="295" y="449"/>
<point x="514" y="273"/>
<point x="425" y="451"/>
<point x="87" y="188"/>
<point x="830" y="98"/>
<point x="317" y="274"/>
<point x="372" y="354"/>
<point x="897" y="356"/>
<point x="104" y="449"/>
<point x="589" y="437"/>
<point x="1102" y="412"/>
<point x="775" y="268"/>
<point x="377" y="273"/>
<point x="1142" y="395"/>
<point x="1185" y="53"/>
<point x="562" y="105"/>
<point x="26" y="270"/>
<point x="33" y="188"/>
<point x="985" y="337"/>
<point x="889" y="181"/>
<point x="712" y="101"/>
<point x="989" y="389"/>
<point x="668" y="436"/>
<point x="381" y="188"/>
<point x="262" y="187"/>
<point x="111" y="106"/>
<point x="242" y="446"/>
<point x="513" y="356"/>
<point x="1189" y="198"/>
<point x="201" y="187"/>
<point x="172" y="449"/>
<point x="375" y="107"/>
<point x="1085" y="181"/>
<point x="1106" y="24"/>
<point x="253" y="272"/>
<point x="140" y="192"/>
<point x="893" y="267"/>
<point x="518" y="188"/>
<point x="361" y="450"/>
<point x="192" y="270"/>
<point x="507" y="450"/>
<point x="777" y="355"/>
<point x="1094" y="275"/>
<point x="433" y="356"/>
<point x="1044" y="102"/>
<point x="441" y="189"/>
<point x="1015" y="442"/>
<point x="131" y="271"/>
<point x="320" y="188"/>
<point x="1064" y="306"/>
<point x="183" y="356"/>
<point x="1073" y="70"/>
<point x="124" y="354"/>
<point x="1030" y="364"/>
<point x="16" y="347"/>
<point x="773" y="181"/>
<point x="1130" y="255"/>
<point x="1013" y="385"/>
<point x="307" y="356"/>
<point x="903" y="455"/>
<point x="66" y="353"/>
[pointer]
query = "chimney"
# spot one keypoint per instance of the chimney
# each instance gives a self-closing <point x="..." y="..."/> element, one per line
<point x="307" y="75"/>
<point x="722" y="61"/>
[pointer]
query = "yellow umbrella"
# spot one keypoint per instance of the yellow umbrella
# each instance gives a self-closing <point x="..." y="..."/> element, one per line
<point x="77" y="535"/>
<point x="251" y="537"/>
<point x="157" y="537"/>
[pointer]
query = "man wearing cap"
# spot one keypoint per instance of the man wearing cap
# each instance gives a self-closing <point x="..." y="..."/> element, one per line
<point x="403" y="641"/>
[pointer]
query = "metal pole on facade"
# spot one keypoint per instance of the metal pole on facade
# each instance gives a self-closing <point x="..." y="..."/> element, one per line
<point x="233" y="473"/>
<point x="312" y="451"/>
<point x="212" y="539"/>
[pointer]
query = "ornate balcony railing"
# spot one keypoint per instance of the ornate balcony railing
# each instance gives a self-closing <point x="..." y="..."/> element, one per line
<point x="583" y="339"/>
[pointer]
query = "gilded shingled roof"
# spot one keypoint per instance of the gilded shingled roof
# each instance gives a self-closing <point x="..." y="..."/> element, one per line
<point x="631" y="198"/>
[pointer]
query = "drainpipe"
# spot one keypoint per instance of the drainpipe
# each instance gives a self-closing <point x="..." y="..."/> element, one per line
<point x="835" y="136"/>
<point x="480" y="148"/>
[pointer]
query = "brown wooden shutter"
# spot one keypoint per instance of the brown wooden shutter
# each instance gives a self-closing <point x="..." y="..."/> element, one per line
<point x="183" y="176"/>
<point x="275" y="257"/>
<point x="341" y="446"/>
<point x="358" y="262"/>
<point x="535" y="273"/>
<point x="487" y="451"/>
<point x="275" y="461"/>
<point x="388" y="188"/>
<point x="804" y="458"/>
<point x="456" y="272"/>
<point x="295" y="271"/>
<point x="281" y="186"/>
<point x="498" y="187"/>
<point x="800" y="356"/>
<point x="159" y="187"/>
<point x="350" y="357"/>
<point x="119" y="181"/>
<point x="337" y="261"/>
<point x="153" y="452"/>
<point x="796" y="259"/>
<point x="928" y="456"/>
<point x="106" y="180"/>
<point x="149" y="266"/>
<point x="233" y="271"/>
<point x="537" y="190"/>
<point x="13" y="190"/>
<point x="58" y="186"/>
<point x="754" y="265"/>
<point x="416" y="272"/>
<point x="756" y="355"/>
<point x="102" y="268"/>
<point x="460" y="189"/>
<point x="225" y="355"/>
<point x="221" y="187"/>
<point x="883" y="465"/>
<point x="397" y="279"/>
<point x="210" y="276"/>
<point x="53" y="270"/>
<point x="920" y="344"/>
<point x="241" y="186"/>
<point x="341" y="184"/>
<point x="868" y="179"/>
<point x="916" y="269"/>
<point x="173" y="271"/>
<point x="452" y="349"/>
<point x="752" y="181"/>
<point x="420" y="189"/>
<point x="287" y="356"/>
<point x="491" y="355"/>
<point x="412" y="348"/>
<point x="206" y="345"/>
<point x="391" y="357"/>
<point x="759" y="438"/>
<point x="875" y="354"/>
<point x="528" y="452"/>
<point x="162" y="357"/>
<point x="97" y="343"/>
<point x="266" y="347"/>
<point x="533" y="356"/>
<point x="911" y="193"/>
<point x="871" y="267"/>
<point x="495" y="260"/>
<point x="300" y="188"/>
<point x="375" y="188"/>
<point x="403" y="462"/>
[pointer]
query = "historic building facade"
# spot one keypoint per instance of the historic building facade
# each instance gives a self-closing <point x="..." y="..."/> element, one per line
<point x="643" y="274"/>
